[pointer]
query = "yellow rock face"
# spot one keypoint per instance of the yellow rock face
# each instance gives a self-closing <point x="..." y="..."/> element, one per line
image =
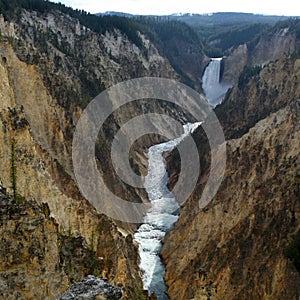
<point x="29" y="264"/>
<point x="30" y="117"/>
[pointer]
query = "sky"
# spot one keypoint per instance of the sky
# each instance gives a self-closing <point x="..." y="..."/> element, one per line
<point x="166" y="7"/>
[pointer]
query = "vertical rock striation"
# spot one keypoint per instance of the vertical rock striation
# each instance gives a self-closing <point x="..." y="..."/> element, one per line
<point x="30" y="261"/>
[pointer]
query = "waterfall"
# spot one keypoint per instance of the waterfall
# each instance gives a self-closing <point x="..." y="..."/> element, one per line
<point x="160" y="218"/>
<point x="214" y="90"/>
<point x="212" y="72"/>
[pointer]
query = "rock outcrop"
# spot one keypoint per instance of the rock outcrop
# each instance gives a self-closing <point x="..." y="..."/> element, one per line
<point x="92" y="288"/>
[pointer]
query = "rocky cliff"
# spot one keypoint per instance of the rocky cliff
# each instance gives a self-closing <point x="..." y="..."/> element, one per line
<point x="51" y="66"/>
<point x="40" y="262"/>
<point x="269" y="46"/>
<point x="30" y="261"/>
<point x="75" y="64"/>
<point x="92" y="288"/>
<point x="235" y="247"/>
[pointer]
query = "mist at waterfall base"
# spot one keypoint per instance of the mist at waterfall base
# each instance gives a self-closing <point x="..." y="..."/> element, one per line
<point x="160" y="218"/>
<point x="213" y="89"/>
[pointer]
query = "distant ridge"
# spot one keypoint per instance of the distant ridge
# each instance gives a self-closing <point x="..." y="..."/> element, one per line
<point x="115" y="13"/>
<point x="218" y="18"/>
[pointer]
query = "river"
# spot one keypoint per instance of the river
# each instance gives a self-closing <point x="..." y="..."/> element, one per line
<point x="160" y="218"/>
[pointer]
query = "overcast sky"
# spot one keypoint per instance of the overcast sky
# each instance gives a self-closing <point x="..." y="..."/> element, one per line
<point x="162" y="7"/>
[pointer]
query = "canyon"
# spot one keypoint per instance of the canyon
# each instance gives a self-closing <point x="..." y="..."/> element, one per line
<point x="54" y="242"/>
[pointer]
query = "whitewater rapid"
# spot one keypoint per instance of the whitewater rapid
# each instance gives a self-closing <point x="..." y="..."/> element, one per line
<point x="160" y="218"/>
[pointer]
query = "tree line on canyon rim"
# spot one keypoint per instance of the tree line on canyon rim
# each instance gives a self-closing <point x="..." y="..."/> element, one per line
<point x="214" y="39"/>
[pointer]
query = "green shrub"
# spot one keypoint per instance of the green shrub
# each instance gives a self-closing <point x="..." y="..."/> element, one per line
<point x="13" y="171"/>
<point x="247" y="74"/>
<point x="292" y="250"/>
